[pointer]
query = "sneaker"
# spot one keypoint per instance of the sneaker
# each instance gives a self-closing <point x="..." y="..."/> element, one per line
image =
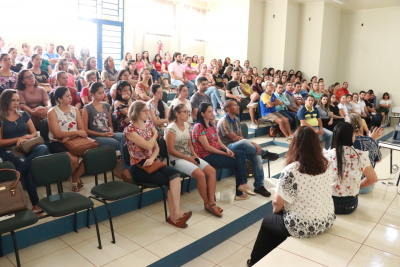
<point x="216" y="112"/>
<point x="252" y="105"/>
<point x="222" y="105"/>
<point x="270" y="156"/>
<point x="253" y="124"/>
<point x="262" y="191"/>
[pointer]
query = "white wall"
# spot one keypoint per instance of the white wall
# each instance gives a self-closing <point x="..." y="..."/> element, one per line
<point x="228" y="24"/>
<point x="309" y="38"/>
<point x="330" y="45"/>
<point x="369" y="55"/>
<point x="291" y="36"/>
<point x="255" y="36"/>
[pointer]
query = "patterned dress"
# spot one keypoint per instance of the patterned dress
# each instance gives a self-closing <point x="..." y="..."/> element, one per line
<point x="66" y="122"/>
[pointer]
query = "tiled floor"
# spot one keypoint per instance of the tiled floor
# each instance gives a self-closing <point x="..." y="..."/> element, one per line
<point x="368" y="237"/>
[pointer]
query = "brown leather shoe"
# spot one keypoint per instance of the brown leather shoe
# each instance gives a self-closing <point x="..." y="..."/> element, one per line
<point x="181" y="223"/>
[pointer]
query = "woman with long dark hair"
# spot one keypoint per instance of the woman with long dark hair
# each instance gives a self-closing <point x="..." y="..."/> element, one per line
<point x="302" y="204"/>
<point x="181" y="98"/>
<point x="123" y="100"/>
<point x="123" y="75"/>
<point x="349" y="164"/>
<point x="84" y="55"/>
<point x="133" y="73"/>
<point x="209" y="147"/>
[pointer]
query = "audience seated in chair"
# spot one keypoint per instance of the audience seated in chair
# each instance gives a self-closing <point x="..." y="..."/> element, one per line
<point x="91" y="64"/>
<point x="133" y="73"/>
<point x="164" y="69"/>
<point x="17" y="128"/>
<point x="72" y="68"/>
<point x="97" y="122"/>
<point x="209" y="147"/>
<point x="65" y="123"/>
<point x="191" y="71"/>
<point x="123" y="75"/>
<point x="177" y="72"/>
<point x="51" y="55"/>
<point x="357" y="109"/>
<point x="182" y="156"/>
<point x="302" y="204"/>
<point x="148" y="64"/>
<point x="90" y="77"/>
<point x="286" y="110"/>
<point x="37" y="49"/>
<point x="41" y="76"/>
<point x="230" y="134"/>
<point x="181" y="98"/>
<point x="15" y="66"/>
<point x="325" y="113"/>
<point x="212" y="89"/>
<point x="297" y="95"/>
<point x="8" y="78"/>
<point x="123" y="101"/>
<point x="384" y="105"/>
<point x="268" y="111"/>
<point x="62" y="65"/>
<point x="84" y="55"/>
<point x="234" y="91"/>
<point x="158" y="109"/>
<point x="142" y="88"/>
<point x="109" y="74"/>
<point x="349" y="164"/>
<point x="309" y="116"/>
<point x="62" y="81"/>
<point x="141" y="138"/>
<point x="199" y="97"/>
<point x="32" y="98"/>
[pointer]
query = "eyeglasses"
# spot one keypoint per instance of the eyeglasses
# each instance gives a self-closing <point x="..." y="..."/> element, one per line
<point x="185" y="111"/>
<point x="29" y="77"/>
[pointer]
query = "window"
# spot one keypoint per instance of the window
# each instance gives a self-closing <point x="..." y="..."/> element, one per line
<point x="102" y="9"/>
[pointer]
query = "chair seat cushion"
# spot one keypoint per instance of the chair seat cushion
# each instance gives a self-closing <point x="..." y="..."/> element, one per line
<point x="64" y="204"/>
<point x="115" y="190"/>
<point x="22" y="219"/>
<point x="146" y="185"/>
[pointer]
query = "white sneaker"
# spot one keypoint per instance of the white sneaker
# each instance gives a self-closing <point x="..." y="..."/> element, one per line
<point x="253" y="124"/>
<point x="252" y="105"/>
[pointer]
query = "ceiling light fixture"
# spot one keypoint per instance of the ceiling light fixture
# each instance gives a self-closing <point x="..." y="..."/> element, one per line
<point x="339" y="2"/>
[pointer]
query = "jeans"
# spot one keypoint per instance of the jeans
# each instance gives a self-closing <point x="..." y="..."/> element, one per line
<point x="327" y="137"/>
<point x="272" y="233"/>
<point x="23" y="165"/>
<point x="117" y="142"/>
<point x="189" y="85"/>
<point x="238" y="164"/>
<point x="291" y="116"/>
<point x="155" y="75"/>
<point x="213" y="92"/>
<point x="345" y="205"/>
<point x="250" y="150"/>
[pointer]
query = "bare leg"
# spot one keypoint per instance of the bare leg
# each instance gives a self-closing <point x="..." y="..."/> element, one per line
<point x="252" y="114"/>
<point x="287" y="125"/>
<point x="174" y="196"/>
<point x="254" y="97"/>
<point x="383" y="118"/>
<point x="201" y="183"/>
<point x="211" y="183"/>
<point x="282" y="126"/>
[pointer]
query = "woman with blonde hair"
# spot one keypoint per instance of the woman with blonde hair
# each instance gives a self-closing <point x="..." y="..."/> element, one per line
<point x="127" y="57"/>
<point x="143" y="149"/>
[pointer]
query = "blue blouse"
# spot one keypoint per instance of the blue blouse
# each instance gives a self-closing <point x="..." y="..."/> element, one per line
<point x="18" y="128"/>
<point x="366" y="143"/>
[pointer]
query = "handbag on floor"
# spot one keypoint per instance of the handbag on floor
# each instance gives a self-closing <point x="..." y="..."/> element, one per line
<point x="12" y="198"/>
<point x="77" y="146"/>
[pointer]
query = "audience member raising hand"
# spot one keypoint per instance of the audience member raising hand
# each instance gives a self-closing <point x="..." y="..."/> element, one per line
<point x="143" y="149"/>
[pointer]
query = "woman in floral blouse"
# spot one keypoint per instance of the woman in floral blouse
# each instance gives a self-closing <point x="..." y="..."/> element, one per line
<point x="302" y="205"/>
<point x="184" y="159"/>
<point x="141" y="139"/>
<point x="349" y="164"/>
<point x="209" y="147"/>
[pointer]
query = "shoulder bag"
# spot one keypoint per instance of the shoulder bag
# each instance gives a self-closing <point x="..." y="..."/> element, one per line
<point x="157" y="164"/>
<point x="77" y="146"/>
<point x="12" y="196"/>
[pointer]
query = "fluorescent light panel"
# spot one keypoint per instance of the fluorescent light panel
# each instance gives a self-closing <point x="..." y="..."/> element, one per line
<point x="339" y="2"/>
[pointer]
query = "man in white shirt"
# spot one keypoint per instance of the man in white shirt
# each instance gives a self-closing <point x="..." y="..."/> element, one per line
<point x="178" y="76"/>
<point x="299" y="98"/>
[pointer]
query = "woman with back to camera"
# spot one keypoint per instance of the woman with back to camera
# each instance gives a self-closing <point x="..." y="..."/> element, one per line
<point x="302" y="204"/>
<point x="17" y="128"/>
<point x="97" y="122"/>
<point x="209" y="147"/>
<point x="141" y="139"/>
<point x="349" y="164"/>
<point x="183" y="157"/>
<point x="65" y="123"/>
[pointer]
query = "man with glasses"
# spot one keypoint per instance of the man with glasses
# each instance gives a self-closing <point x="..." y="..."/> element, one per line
<point x="230" y="133"/>
<point x="309" y="116"/>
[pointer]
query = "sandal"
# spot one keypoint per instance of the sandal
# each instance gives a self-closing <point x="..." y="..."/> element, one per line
<point x="181" y="223"/>
<point x="210" y="209"/>
<point x="80" y="183"/>
<point x="75" y="187"/>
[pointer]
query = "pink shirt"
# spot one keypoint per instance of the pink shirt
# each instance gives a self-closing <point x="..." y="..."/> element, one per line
<point x="139" y="65"/>
<point x="190" y="76"/>
<point x="178" y="70"/>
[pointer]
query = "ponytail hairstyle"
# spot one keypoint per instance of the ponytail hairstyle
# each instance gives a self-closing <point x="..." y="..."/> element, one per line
<point x="30" y="64"/>
<point x="94" y="87"/>
<point x="173" y="110"/>
<point x="180" y="87"/>
<point x="342" y="136"/>
<point x="57" y="94"/>
<point x="356" y="121"/>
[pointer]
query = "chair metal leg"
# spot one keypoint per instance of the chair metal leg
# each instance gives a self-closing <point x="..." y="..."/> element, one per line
<point x="140" y="198"/>
<point x="165" y="203"/>
<point x="220" y="175"/>
<point x="96" y="181"/>
<point x="97" y="227"/>
<point x="75" y="222"/>
<point x="14" y="238"/>
<point x="183" y="182"/>
<point x="110" y="219"/>
<point x="105" y="177"/>
<point x="112" y="175"/>
<point x="188" y="186"/>
<point x="269" y="173"/>
<point x="1" y="247"/>
<point x="87" y="218"/>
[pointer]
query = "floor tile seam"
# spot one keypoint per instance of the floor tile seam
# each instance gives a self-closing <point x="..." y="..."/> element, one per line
<point x="369" y="220"/>
<point x="115" y="228"/>
<point x="302" y="256"/>
<point x="84" y="239"/>
<point x="83" y="256"/>
<point x="397" y="255"/>
<point x="354" y="254"/>
<point x="380" y="220"/>
<point x="206" y="259"/>
<point x="10" y="260"/>
<point x="227" y="256"/>
<point x="177" y="231"/>
<point x="235" y="241"/>
<point x="346" y="238"/>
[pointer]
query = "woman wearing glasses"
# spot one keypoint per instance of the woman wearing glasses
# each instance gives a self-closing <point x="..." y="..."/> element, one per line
<point x="183" y="157"/>
<point x="32" y="98"/>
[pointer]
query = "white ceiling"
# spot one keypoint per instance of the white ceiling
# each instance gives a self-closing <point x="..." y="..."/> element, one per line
<point x="356" y="4"/>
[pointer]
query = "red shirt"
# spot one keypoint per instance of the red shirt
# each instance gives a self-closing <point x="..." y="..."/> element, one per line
<point x="85" y="92"/>
<point x="341" y="92"/>
<point x="136" y="153"/>
<point x="166" y="64"/>
<point x="212" y="137"/>
<point x="74" y="95"/>
<point x="157" y="66"/>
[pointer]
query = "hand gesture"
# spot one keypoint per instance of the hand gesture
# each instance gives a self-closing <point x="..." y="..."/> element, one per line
<point x="21" y="140"/>
<point x="230" y="153"/>
<point x="192" y="160"/>
<point x="82" y="134"/>
<point x="148" y="162"/>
